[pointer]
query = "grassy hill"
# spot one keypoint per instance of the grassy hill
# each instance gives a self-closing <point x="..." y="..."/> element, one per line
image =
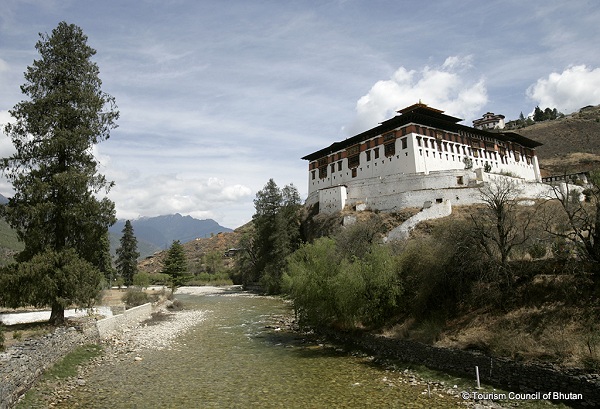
<point x="570" y="144"/>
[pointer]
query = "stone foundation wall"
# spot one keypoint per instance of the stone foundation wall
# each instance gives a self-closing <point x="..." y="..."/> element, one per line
<point x="21" y="365"/>
<point x="506" y="373"/>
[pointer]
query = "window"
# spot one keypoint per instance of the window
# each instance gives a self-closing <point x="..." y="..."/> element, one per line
<point x="368" y="156"/>
<point x="339" y="166"/>
<point x="313" y="174"/>
<point x="390" y="149"/>
<point x="353" y="172"/>
<point x="404" y="143"/>
<point x="376" y="150"/>
<point x="323" y="172"/>
<point x="332" y="167"/>
<point x="354" y="161"/>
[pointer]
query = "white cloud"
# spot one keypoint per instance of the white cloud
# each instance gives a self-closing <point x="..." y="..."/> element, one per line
<point x="575" y="87"/>
<point x="449" y="87"/>
<point x="167" y="194"/>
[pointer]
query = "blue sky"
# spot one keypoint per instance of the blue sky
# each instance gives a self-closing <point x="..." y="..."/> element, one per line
<point x="217" y="97"/>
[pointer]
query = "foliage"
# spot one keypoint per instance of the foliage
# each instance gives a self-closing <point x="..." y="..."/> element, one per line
<point x="134" y="297"/>
<point x="211" y="279"/>
<point x="274" y="236"/>
<point x="329" y="287"/>
<point x="1" y="337"/>
<point x="55" y="209"/>
<point x="142" y="279"/>
<point x="175" y="265"/>
<point x="545" y="115"/>
<point x="60" y="278"/>
<point x="127" y="255"/>
<point x="213" y="262"/>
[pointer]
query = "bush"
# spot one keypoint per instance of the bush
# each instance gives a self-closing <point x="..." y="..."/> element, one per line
<point x="1" y="337"/>
<point x="329" y="289"/>
<point x="141" y="279"/>
<point x="537" y="250"/>
<point x="134" y="297"/>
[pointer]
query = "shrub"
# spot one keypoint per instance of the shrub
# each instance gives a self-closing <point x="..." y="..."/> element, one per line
<point x="141" y="279"/>
<point x="329" y="289"/>
<point x="134" y="297"/>
<point x="537" y="250"/>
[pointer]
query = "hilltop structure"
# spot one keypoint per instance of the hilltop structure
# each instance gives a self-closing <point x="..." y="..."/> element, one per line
<point x="489" y="121"/>
<point x="418" y="158"/>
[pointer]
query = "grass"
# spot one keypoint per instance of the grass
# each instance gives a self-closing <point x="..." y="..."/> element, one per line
<point x="40" y="394"/>
<point x="67" y="367"/>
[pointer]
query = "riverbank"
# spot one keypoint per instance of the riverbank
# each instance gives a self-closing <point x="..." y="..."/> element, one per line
<point x="139" y="351"/>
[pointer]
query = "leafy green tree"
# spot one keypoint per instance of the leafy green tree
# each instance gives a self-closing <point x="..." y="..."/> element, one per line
<point x="176" y="265"/>
<point x="55" y="209"/>
<point x="328" y="287"/>
<point x="127" y="255"/>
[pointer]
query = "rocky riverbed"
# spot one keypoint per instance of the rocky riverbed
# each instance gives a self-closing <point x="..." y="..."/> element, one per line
<point x="160" y="332"/>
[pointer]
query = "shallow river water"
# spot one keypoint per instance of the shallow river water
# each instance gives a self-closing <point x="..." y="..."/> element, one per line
<point x="232" y="360"/>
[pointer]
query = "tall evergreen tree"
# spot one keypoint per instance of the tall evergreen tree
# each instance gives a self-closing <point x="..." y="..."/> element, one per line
<point x="275" y="235"/>
<point x="127" y="255"/>
<point x="176" y="265"/>
<point x="55" y="209"/>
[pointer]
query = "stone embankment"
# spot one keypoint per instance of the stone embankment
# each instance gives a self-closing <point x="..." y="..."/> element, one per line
<point x="526" y="378"/>
<point x="123" y="336"/>
<point x="22" y="364"/>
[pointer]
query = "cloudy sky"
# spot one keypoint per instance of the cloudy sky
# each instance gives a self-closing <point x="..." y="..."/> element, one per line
<point x="216" y="97"/>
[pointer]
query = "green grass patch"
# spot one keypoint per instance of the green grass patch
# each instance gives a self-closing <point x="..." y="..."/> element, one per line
<point x="67" y="367"/>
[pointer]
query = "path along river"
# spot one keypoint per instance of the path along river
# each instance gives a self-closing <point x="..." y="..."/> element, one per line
<point x="235" y="357"/>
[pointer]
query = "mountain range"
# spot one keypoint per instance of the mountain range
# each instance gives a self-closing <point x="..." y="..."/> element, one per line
<point x="158" y="233"/>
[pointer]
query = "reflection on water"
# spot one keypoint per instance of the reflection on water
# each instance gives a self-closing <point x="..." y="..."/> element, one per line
<point x="231" y="360"/>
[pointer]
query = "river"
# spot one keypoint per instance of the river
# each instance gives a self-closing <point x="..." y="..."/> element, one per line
<point x="237" y="357"/>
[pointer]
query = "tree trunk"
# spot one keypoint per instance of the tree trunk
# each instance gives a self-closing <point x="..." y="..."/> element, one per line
<point x="57" y="316"/>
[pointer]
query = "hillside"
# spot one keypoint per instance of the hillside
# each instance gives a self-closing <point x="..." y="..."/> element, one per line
<point x="570" y="144"/>
<point x="196" y="249"/>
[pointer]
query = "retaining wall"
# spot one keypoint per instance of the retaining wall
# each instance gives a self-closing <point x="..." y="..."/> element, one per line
<point x="515" y="376"/>
<point x="21" y="365"/>
<point x="131" y="317"/>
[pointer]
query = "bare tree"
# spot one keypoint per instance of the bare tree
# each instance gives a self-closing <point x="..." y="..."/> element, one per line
<point x="578" y="222"/>
<point x="501" y="226"/>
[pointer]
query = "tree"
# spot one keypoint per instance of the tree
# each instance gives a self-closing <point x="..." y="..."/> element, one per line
<point x="55" y="208"/>
<point x="275" y="235"/>
<point x="176" y="265"/>
<point x="127" y="255"/>
<point x="578" y="222"/>
<point x="498" y="228"/>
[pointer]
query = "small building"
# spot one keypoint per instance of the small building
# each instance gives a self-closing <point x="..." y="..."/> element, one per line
<point x="489" y="121"/>
<point x="417" y="156"/>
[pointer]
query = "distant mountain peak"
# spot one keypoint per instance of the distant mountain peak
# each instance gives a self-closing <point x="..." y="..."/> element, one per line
<point x="161" y="231"/>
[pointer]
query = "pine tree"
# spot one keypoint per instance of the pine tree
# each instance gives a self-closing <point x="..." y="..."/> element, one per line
<point x="275" y="236"/>
<point x="55" y="209"/>
<point x="127" y="255"/>
<point x="176" y="265"/>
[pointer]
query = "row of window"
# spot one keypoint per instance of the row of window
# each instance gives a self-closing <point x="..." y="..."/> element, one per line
<point x="353" y="153"/>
